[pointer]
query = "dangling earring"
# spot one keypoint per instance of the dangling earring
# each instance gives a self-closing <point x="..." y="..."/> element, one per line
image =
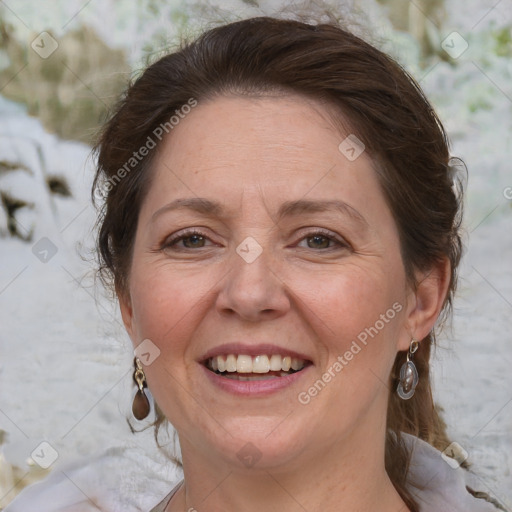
<point x="140" y="406"/>
<point x="408" y="374"/>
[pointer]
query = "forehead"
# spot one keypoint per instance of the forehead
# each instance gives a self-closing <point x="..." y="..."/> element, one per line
<point x="259" y="126"/>
<point x="281" y="147"/>
<point x="251" y="163"/>
<point x="285" y="133"/>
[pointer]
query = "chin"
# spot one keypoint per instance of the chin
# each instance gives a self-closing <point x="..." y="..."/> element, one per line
<point x="256" y="442"/>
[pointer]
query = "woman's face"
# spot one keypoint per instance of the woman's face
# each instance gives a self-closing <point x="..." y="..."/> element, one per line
<point x="299" y="258"/>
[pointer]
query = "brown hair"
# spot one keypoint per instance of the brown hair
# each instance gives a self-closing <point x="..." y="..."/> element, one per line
<point x="376" y="98"/>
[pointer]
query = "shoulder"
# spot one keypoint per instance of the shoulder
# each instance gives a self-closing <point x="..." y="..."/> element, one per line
<point x="122" y="479"/>
<point x="439" y="483"/>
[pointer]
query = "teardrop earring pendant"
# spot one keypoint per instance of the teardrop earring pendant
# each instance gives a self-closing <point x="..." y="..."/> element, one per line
<point x="408" y="374"/>
<point x="140" y="406"/>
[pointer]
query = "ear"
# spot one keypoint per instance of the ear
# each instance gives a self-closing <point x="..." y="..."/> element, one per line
<point x="125" y="305"/>
<point x="426" y="301"/>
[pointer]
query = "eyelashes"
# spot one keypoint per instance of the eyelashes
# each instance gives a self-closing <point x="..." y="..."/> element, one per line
<point x="197" y="237"/>
<point x="326" y="235"/>
<point x="173" y="240"/>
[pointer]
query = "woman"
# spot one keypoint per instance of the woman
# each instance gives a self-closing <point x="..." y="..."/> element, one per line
<point x="281" y="229"/>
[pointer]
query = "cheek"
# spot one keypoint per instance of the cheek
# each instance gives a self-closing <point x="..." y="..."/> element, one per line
<point x="166" y="303"/>
<point x="361" y="316"/>
<point x="355" y="298"/>
<point x="340" y="302"/>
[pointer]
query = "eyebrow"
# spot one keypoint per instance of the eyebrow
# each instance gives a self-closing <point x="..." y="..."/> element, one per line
<point x="287" y="209"/>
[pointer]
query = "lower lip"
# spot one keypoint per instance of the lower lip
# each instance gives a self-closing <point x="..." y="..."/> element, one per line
<point x="254" y="387"/>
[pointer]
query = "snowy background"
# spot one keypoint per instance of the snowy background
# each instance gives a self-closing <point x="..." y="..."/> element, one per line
<point x="65" y="360"/>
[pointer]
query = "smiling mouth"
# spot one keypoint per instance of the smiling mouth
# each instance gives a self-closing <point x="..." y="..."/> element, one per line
<point x="261" y="367"/>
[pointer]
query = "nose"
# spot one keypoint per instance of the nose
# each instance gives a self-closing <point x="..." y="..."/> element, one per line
<point x="255" y="289"/>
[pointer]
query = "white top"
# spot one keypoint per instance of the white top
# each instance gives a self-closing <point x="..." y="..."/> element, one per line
<point x="126" y="480"/>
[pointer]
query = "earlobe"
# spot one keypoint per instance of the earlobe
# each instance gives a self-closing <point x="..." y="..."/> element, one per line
<point x="430" y="295"/>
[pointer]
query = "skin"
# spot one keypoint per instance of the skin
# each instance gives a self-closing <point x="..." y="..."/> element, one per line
<point x="315" y="296"/>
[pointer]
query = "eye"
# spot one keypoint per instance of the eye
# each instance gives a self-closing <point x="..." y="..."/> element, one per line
<point x="191" y="239"/>
<point x="321" y="239"/>
<point x="195" y="239"/>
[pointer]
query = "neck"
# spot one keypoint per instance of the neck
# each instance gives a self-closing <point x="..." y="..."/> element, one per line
<point x="349" y="475"/>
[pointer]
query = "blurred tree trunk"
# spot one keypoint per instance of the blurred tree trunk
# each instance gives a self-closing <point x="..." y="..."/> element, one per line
<point x="420" y="18"/>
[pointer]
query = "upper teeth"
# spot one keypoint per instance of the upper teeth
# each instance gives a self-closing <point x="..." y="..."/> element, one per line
<point x="258" y="364"/>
